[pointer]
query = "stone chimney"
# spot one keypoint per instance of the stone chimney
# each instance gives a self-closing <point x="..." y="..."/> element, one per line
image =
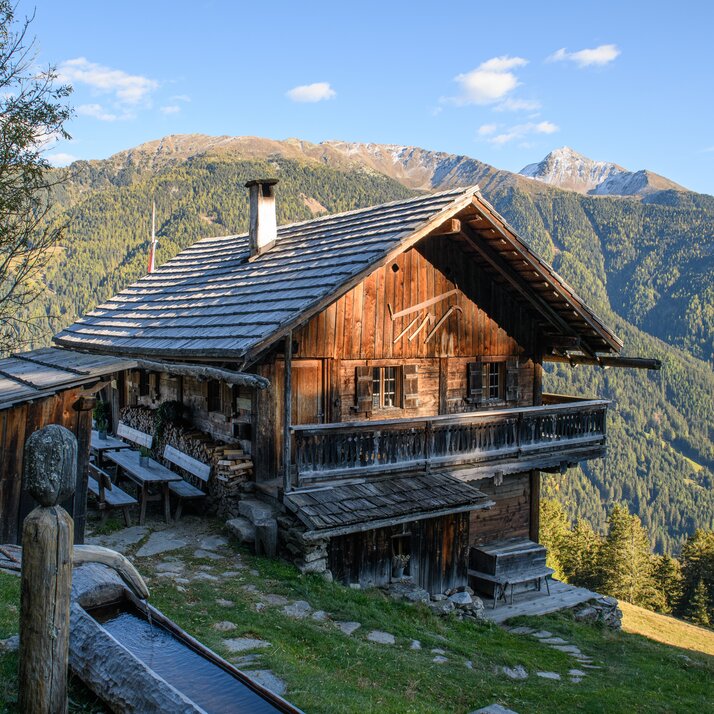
<point x="263" y="227"/>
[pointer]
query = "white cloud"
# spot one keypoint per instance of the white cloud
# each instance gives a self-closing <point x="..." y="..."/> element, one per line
<point x="521" y="131"/>
<point x="99" y="112"/>
<point x="490" y="82"/>
<point x="486" y="129"/>
<point x="171" y="109"/>
<point x="180" y="98"/>
<point x="518" y="105"/>
<point x="61" y="158"/>
<point x="126" y="88"/>
<point x="316" y="92"/>
<point x="598" y="56"/>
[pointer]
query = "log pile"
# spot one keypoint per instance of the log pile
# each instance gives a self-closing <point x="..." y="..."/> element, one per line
<point x="233" y="467"/>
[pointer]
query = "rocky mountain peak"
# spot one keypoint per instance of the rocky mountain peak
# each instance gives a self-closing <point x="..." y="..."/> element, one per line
<point x="566" y="168"/>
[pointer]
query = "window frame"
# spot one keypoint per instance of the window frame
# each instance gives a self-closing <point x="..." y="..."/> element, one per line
<point x="380" y="378"/>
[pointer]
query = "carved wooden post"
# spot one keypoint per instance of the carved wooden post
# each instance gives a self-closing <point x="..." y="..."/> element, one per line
<point x="47" y="537"/>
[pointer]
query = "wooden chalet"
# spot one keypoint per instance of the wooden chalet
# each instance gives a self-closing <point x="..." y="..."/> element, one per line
<point x="403" y="345"/>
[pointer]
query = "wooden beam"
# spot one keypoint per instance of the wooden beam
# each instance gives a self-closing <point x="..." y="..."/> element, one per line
<point x="536" y="302"/>
<point x="534" y="526"/>
<point x="287" y="411"/>
<point x="202" y="371"/>
<point x="559" y="285"/>
<point x="606" y="361"/>
<point x="449" y="226"/>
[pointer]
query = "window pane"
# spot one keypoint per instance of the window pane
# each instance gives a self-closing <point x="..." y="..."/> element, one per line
<point x="494" y="382"/>
<point x="390" y="386"/>
<point x="376" y="388"/>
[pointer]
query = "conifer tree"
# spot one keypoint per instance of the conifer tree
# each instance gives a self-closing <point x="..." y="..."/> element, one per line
<point x="554" y="533"/>
<point x="670" y="581"/>
<point x="581" y="554"/>
<point x="698" y="573"/>
<point x="700" y="606"/>
<point x="627" y="563"/>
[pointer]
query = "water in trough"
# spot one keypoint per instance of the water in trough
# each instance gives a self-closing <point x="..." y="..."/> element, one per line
<point x="206" y="683"/>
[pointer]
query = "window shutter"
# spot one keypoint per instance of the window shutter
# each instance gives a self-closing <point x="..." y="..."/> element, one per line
<point x="512" y="375"/>
<point x="410" y="386"/>
<point x="363" y="389"/>
<point x="475" y="386"/>
<point x="227" y="400"/>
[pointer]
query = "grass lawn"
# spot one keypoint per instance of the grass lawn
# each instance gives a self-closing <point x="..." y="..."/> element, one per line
<point x="327" y="671"/>
<point x="666" y="629"/>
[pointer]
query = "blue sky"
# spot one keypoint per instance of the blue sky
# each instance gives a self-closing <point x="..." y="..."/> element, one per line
<point x="629" y="82"/>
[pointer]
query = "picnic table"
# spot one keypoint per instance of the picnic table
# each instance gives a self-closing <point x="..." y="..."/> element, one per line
<point x="99" y="446"/>
<point x="153" y="476"/>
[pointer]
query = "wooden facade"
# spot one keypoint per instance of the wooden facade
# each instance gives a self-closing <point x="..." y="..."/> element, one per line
<point x="399" y="341"/>
<point x="39" y="388"/>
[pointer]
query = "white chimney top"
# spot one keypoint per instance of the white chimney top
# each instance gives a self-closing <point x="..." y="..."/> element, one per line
<point x="263" y="226"/>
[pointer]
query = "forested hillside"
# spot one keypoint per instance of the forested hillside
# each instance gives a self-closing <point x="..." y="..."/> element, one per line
<point x="661" y="456"/>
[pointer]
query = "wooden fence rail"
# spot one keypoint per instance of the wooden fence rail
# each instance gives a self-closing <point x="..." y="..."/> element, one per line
<point x="371" y="447"/>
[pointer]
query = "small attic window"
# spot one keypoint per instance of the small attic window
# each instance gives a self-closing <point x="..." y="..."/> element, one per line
<point x="395" y="268"/>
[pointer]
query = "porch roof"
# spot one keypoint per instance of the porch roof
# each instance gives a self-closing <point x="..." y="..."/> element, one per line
<point x="211" y="301"/>
<point x="40" y="373"/>
<point x="341" y="508"/>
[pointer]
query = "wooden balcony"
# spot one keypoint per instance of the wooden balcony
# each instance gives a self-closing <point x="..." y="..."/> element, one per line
<point x="505" y="440"/>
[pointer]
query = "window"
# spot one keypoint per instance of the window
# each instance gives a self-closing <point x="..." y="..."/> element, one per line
<point x="143" y="384"/>
<point x="385" y="387"/>
<point x="213" y="396"/>
<point x="493" y="380"/>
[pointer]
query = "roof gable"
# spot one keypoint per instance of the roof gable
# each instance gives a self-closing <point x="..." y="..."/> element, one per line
<point x="210" y="301"/>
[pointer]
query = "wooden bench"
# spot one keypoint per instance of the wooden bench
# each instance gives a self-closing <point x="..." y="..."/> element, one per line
<point x="501" y="582"/>
<point x="140" y="438"/>
<point x="109" y="496"/>
<point x="183" y="490"/>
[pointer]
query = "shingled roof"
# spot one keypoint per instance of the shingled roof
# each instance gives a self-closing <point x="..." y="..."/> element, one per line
<point x="32" y="375"/>
<point x="347" y="508"/>
<point x="211" y="301"/>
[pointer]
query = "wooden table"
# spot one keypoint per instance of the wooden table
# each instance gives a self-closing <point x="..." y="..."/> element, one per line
<point x="100" y="446"/>
<point x="153" y="475"/>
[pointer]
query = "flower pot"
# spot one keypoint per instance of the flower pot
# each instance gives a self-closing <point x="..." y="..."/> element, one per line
<point x="103" y="434"/>
<point x="398" y="571"/>
<point x="143" y="461"/>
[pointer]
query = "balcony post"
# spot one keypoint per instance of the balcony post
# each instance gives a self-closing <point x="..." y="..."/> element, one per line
<point x="287" y="411"/>
<point x="428" y="432"/>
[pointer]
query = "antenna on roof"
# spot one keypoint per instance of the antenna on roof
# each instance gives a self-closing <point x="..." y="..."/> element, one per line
<point x="152" y="249"/>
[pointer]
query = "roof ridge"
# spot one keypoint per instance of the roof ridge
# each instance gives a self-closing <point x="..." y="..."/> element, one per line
<point x="458" y="191"/>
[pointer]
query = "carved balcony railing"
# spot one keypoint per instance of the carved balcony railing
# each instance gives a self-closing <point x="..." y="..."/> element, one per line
<point x="514" y="439"/>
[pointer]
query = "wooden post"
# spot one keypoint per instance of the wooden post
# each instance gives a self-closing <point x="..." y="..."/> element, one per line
<point x="287" y="411"/>
<point x="47" y="536"/>
<point x="534" y="526"/>
<point x="83" y="431"/>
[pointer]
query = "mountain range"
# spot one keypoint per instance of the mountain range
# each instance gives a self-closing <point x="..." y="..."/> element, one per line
<point x="645" y="263"/>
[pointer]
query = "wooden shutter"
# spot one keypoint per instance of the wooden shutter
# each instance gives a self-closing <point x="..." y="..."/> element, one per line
<point x="475" y="382"/>
<point x="410" y="386"/>
<point x="363" y="389"/>
<point x="227" y="400"/>
<point x="512" y="375"/>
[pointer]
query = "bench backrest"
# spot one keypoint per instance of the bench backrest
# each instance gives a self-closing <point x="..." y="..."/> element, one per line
<point x="193" y="466"/>
<point x="138" y="437"/>
<point x="102" y="478"/>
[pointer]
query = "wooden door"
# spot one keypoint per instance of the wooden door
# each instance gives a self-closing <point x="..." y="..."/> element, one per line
<point x="308" y="399"/>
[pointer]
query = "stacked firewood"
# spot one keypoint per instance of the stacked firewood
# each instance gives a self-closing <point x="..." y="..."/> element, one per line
<point x="232" y="468"/>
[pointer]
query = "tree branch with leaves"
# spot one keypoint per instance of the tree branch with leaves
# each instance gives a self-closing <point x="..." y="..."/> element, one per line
<point x="33" y="112"/>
